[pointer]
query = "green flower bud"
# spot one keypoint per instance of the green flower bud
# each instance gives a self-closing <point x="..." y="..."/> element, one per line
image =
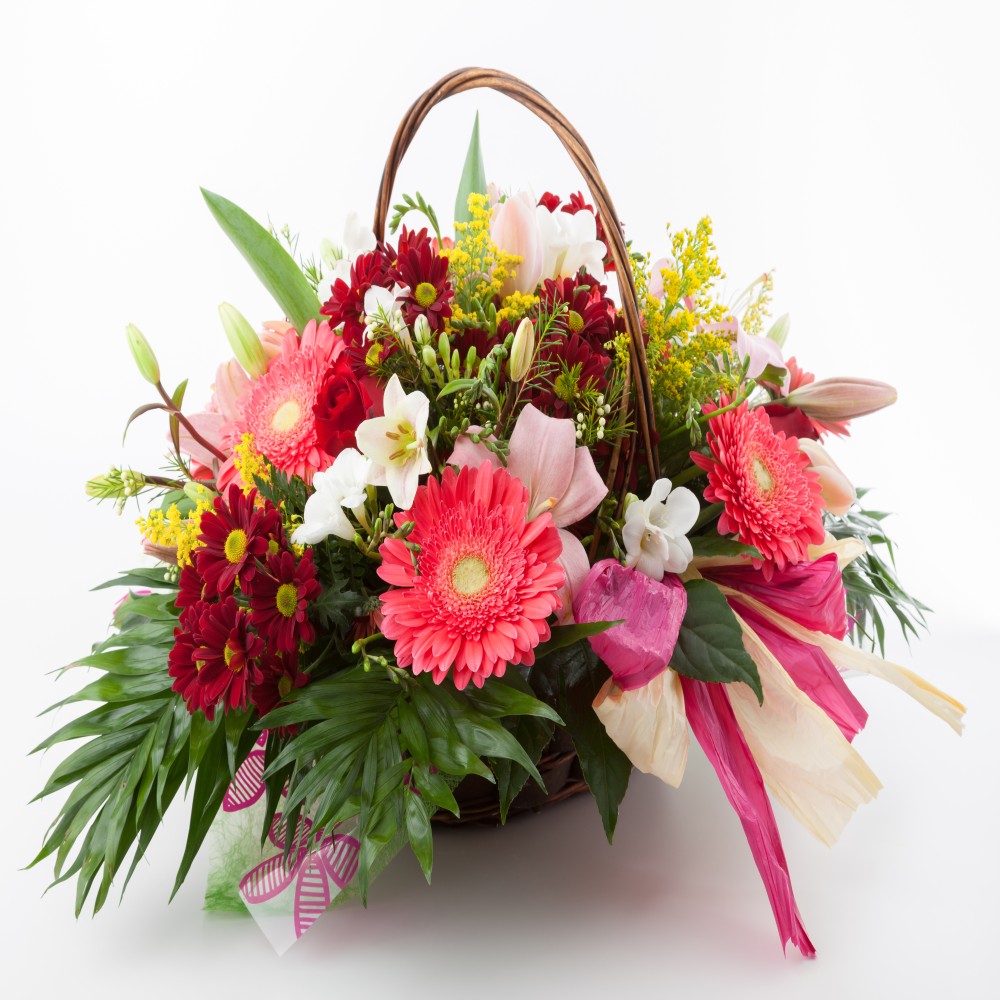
<point x="429" y="357"/>
<point x="145" y="359"/>
<point x="243" y="340"/>
<point x="422" y="330"/>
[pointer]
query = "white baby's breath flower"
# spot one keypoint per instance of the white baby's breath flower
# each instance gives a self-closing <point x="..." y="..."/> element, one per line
<point x="655" y="530"/>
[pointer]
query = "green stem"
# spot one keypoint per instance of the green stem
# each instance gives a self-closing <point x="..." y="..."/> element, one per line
<point x="175" y="410"/>
<point x="708" y="514"/>
<point x="705" y="417"/>
<point x="693" y="472"/>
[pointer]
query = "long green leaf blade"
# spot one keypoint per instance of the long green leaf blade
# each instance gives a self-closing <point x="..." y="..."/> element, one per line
<point x="278" y="272"/>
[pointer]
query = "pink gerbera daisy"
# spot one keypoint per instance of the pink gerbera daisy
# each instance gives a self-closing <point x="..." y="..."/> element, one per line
<point x="278" y="410"/>
<point x="771" y="500"/>
<point x="485" y="580"/>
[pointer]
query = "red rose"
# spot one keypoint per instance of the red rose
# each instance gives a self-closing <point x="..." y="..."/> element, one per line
<point x="342" y="403"/>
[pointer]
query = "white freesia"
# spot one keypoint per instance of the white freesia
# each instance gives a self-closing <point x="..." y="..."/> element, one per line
<point x="382" y="310"/>
<point x="396" y="444"/>
<point x="570" y="242"/>
<point x="339" y="487"/>
<point x="655" y="530"/>
<point x="358" y="239"/>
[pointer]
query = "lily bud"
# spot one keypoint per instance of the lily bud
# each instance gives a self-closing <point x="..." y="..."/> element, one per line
<point x="838" y="491"/>
<point x="143" y="355"/>
<point x="522" y="351"/>
<point x="841" y="398"/>
<point x="429" y="357"/>
<point x="243" y="340"/>
<point x="779" y="330"/>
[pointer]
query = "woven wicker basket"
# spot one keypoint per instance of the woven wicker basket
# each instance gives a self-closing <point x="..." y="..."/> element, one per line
<point x="558" y="765"/>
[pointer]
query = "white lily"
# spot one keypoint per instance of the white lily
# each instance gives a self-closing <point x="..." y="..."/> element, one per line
<point x="339" y="488"/>
<point x="655" y="530"/>
<point x="382" y="311"/>
<point x="570" y="242"/>
<point x="396" y="444"/>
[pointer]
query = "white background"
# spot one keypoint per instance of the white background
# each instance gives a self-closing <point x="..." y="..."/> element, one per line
<point x="852" y="148"/>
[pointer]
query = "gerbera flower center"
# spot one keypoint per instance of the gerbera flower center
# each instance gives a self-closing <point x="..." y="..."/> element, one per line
<point x="575" y="321"/>
<point x="470" y="575"/>
<point x="425" y="294"/>
<point x="286" y="416"/>
<point x="287" y="599"/>
<point x="764" y="478"/>
<point x="235" y="546"/>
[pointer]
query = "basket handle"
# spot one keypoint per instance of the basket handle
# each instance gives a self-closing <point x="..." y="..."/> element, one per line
<point x="472" y="79"/>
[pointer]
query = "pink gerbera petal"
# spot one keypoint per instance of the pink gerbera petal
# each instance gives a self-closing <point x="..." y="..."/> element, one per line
<point x="770" y="499"/>
<point x="484" y="581"/>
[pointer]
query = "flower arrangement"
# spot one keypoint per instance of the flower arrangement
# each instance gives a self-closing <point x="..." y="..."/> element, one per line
<point x="457" y="508"/>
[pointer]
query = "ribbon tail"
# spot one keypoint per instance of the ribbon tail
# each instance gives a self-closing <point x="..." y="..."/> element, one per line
<point x="714" y="725"/>
<point x="806" y="762"/>
<point x="848" y="657"/>
<point x="648" y="724"/>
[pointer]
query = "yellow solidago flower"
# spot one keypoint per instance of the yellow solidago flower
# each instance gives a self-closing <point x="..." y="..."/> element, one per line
<point x="476" y="264"/>
<point x="171" y="530"/>
<point x="250" y="463"/>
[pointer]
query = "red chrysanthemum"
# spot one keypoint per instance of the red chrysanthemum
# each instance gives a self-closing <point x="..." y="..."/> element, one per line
<point x="591" y="315"/>
<point x="235" y="535"/>
<point x="572" y="365"/>
<point x="346" y="304"/>
<point x="771" y="500"/>
<point x="485" y="580"/>
<point x="280" y="675"/>
<point x="225" y="654"/>
<point x="424" y="277"/>
<point x="280" y="598"/>
<point x="181" y="662"/>
<point x="191" y="587"/>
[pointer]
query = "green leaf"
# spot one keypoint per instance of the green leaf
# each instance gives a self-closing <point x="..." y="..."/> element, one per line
<point x="434" y="788"/>
<point x="534" y="735"/>
<point x="141" y="577"/>
<point x="202" y="733"/>
<point x="509" y="695"/>
<point x="714" y="545"/>
<point x="571" y="679"/>
<point x="488" y="738"/>
<point x="458" y="385"/>
<point x="278" y="272"/>
<point x="566" y="635"/>
<point x="710" y="644"/>
<point x="418" y="829"/>
<point x="473" y="176"/>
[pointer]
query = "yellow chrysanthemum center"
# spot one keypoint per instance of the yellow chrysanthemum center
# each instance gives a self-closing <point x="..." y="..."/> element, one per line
<point x="425" y="294"/>
<point x="470" y="575"/>
<point x="227" y="653"/>
<point x="236" y="545"/>
<point x="575" y="321"/>
<point x="286" y="416"/>
<point x="287" y="599"/>
<point x="764" y="478"/>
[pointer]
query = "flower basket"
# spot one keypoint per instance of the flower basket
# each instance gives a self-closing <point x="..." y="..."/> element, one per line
<point x="459" y="536"/>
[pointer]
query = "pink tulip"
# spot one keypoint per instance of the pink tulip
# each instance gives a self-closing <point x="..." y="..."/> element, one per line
<point x="640" y="647"/>
<point x="838" y="492"/>
<point x="514" y="228"/>
<point x="841" y="398"/>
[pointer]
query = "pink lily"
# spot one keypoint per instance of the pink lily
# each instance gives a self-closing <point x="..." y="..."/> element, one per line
<point x="514" y="228"/>
<point x="838" y="491"/>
